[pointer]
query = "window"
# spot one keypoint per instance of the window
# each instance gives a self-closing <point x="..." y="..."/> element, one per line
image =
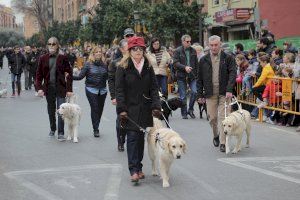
<point x="216" y="2"/>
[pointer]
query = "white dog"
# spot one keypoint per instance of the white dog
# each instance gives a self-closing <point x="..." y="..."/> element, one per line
<point x="71" y="114"/>
<point x="164" y="145"/>
<point x="235" y="125"/>
<point x="3" y="93"/>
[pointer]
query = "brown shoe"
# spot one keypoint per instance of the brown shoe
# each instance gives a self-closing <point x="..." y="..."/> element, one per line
<point x="141" y="175"/>
<point x="134" y="178"/>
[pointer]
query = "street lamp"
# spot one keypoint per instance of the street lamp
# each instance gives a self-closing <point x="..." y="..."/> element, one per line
<point x="136" y="16"/>
<point x="200" y="3"/>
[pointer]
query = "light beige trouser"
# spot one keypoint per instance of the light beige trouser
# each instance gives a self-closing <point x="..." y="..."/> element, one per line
<point x="216" y="114"/>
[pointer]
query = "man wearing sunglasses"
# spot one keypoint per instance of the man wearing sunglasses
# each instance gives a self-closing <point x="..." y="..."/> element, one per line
<point x="185" y="63"/>
<point x="51" y="81"/>
<point x="128" y="33"/>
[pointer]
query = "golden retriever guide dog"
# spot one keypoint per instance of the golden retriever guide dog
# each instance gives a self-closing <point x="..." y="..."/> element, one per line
<point x="164" y="145"/>
<point x="234" y="126"/>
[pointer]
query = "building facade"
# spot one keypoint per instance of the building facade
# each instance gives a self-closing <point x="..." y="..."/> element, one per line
<point x="281" y="18"/>
<point x="31" y="26"/>
<point x="7" y="18"/>
<point x="232" y="19"/>
<point x="68" y="10"/>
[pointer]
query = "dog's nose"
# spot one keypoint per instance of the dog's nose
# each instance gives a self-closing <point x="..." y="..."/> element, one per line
<point x="178" y="157"/>
<point x="225" y="132"/>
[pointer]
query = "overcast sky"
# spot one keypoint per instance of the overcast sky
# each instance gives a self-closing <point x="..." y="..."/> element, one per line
<point x="18" y="16"/>
<point x="5" y="2"/>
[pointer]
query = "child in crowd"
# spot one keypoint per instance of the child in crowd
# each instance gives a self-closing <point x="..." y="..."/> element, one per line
<point x="250" y="72"/>
<point x="274" y="94"/>
<point x="242" y="66"/>
<point x="277" y="58"/>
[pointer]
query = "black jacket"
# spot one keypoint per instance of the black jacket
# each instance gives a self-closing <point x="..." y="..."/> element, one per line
<point x="112" y="68"/>
<point x="179" y="61"/>
<point x="34" y="61"/>
<point x="27" y="57"/>
<point x="96" y="75"/>
<point x="227" y="75"/>
<point x="137" y="94"/>
<point x="17" y="63"/>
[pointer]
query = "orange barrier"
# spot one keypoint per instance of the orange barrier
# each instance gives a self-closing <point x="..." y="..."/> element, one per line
<point x="281" y="99"/>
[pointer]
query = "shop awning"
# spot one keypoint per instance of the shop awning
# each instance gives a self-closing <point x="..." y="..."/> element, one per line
<point x="239" y="28"/>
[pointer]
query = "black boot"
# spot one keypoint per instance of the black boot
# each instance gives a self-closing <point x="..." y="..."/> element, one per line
<point x="96" y="133"/>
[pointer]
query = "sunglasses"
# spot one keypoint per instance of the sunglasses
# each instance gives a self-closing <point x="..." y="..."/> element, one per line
<point x="137" y="48"/>
<point x="51" y="44"/>
<point x="128" y="36"/>
<point x="189" y="41"/>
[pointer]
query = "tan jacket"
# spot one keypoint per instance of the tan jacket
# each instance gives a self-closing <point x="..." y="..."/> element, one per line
<point x="160" y="69"/>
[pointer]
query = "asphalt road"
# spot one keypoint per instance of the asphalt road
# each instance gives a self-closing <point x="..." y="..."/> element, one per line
<point x="36" y="167"/>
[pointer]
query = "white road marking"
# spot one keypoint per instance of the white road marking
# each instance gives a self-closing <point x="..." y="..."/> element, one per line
<point x="113" y="184"/>
<point x="111" y="193"/>
<point x="238" y="162"/>
<point x="282" y="130"/>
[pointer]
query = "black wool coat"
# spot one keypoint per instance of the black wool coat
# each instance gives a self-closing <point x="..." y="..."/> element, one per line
<point x="137" y="94"/>
<point x="227" y="75"/>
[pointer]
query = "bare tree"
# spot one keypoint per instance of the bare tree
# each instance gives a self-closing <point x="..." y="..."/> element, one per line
<point x="36" y="8"/>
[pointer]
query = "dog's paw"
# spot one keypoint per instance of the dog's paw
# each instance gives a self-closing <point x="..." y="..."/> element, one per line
<point x="75" y="140"/>
<point x="247" y="146"/>
<point x="166" y="184"/>
<point x="69" y="138"/>
<point x="154" y="174"/>
<point x="235" y="151"/>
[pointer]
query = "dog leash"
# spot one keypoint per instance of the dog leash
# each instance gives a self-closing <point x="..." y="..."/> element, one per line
<point x="138" y="126"/>
<point x="235" y="101"/>
<point x="166" y="121"/>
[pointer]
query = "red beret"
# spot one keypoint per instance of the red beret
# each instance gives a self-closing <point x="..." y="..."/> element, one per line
<point x="136" y="41"/>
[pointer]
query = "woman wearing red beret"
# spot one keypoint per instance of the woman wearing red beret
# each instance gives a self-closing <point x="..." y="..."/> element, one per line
<point x="137" y="101"/>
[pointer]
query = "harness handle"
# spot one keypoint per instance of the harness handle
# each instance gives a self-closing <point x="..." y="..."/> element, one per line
<point x="235" y="101"/>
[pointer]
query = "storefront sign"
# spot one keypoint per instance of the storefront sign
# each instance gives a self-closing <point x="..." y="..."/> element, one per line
<point x="232" y="15"/>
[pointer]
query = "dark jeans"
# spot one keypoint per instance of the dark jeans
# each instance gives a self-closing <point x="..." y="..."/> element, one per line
<point x="96" y="103"/>
<point x="162" y="82"/>
<point x="182" y="88"/>
<point x="135" y="150"/>
<point x="13" y="80"/>
<point x="53" y="103"/>
<point x="121" y="134"/>
<point x="258" y="91"/>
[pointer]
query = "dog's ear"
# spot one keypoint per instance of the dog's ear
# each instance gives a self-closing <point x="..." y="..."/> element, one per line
<point x="168" y="145"/>
<point x="184" y="146"/>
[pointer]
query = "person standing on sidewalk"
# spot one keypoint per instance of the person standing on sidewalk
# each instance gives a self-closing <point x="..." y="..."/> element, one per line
<point x="123" y="48"/>
<point x="216" y="80"/>
<point x="17" y="63"/>
<point x="51" y="81"/>
<point x="95" y="71"/>
<point x="137" y="101"/>
<point x="185" y="63"/>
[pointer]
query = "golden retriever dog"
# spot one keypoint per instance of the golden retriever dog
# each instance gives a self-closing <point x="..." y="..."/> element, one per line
<point x="164" y="145"/>
<point x="71" y="114"/>
<point x="234" y="126"/>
